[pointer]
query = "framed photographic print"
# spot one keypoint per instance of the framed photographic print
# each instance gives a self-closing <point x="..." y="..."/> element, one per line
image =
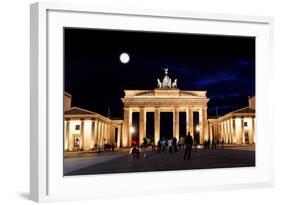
<point x="120" y="95"/>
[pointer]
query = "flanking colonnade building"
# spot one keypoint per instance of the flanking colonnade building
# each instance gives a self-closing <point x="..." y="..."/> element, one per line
<point x="237" y="127"/>
<point x="87" y="130"/>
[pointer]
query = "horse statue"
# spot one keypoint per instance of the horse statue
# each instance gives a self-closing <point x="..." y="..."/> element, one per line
<point x="174" y="85"/>
<point x="159" y="84"/>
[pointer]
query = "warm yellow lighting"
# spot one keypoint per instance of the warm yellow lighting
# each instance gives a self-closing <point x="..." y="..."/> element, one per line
<point x="132" y="130"/>
<point x="197" y="128"/>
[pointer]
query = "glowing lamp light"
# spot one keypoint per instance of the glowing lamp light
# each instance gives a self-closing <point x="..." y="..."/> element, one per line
<point x="197" y="128"/>
<point x="132" y="130"/>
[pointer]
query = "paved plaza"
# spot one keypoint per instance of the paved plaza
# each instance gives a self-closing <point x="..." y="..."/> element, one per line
<point x="121" y="162"/>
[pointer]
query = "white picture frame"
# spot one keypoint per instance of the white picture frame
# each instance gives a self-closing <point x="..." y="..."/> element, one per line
<point x="46" y="104"/>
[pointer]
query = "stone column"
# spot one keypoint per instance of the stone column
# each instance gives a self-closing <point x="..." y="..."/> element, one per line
<point x="107" y="136"/>
<point x="127" y="123"/>
<point x="223" y="131"/>
<point x="142" y="125"/>
<point x="100" y="134"/>
<point x="187" y="121"/>
<point x="211" y="132"/>
<point x="234" y="131"/>
<point x="66" y="136"/>
<point x="251" y="135"/>
<point x="119" y="137"/>
<point x="228" y="131"/>
<point x="104" y="134"/>
<point x="231" y="130"/>
<point x="201" y="130"/>
<point x="219" y="131"/>
<point x="156" y="125"/>
<point x="176" y="119"/>
<point x="253" y="130"/>
<point x="95" y="133"/>
<point x="82" y="135"/>
<point x="205" y="124"/>
<point x="92" y="135"/>
<point x="190" y="123"/>
<point x="242" y="140"/>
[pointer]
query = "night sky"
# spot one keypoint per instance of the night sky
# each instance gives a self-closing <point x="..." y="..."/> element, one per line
<point x="224" y="66"/>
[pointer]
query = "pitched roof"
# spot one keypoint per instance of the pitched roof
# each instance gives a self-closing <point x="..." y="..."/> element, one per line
<point x="244" y="110"/>
<point x="78" y="111"/>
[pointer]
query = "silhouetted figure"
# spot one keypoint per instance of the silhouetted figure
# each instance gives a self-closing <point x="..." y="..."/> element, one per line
<point x="159" y="146"/>
<point x="175" y="147"/>
<point x="135" y="153"/>
<point x="205" y="144"/>
<point x="170" y="145"/>
<point x="195" y="145"/>
<point x="188" y="145"/>
<point x="214" y="144"/>
<point x="143" y="147"/>
<point x="208" y="144"/>
<point x="153" y="145"/>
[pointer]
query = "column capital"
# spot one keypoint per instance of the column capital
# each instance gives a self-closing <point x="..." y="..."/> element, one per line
<point x="176" y="109"/>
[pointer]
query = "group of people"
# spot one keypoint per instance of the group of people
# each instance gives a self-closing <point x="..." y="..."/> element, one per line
<point x="163" y="144"/>
<point x="170" y="144"/>
<point x="213" y="145"/>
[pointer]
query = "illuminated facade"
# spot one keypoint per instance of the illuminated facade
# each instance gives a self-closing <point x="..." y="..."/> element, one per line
<point x="166" y="98"/>
<point x="237" y="127"/>
<point x="87" y="130"/>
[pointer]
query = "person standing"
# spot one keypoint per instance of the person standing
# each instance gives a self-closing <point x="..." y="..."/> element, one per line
<point x="170" y="145"/>
<point x="175" y="147"/>
<point x="159" y="145"/>
<point x="188" y="146"/>
<point x="144" y="145"/>
<point x="195" y="145"/>
<point x="153" y="145"/>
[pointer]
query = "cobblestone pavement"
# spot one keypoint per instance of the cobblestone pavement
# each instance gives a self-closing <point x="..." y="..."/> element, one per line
<point x="165" y="161"/>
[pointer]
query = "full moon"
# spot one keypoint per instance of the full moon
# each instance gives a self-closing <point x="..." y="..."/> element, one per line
<point x="124" y="57"/>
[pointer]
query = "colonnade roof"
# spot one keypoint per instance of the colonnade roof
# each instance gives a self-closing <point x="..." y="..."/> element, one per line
<point x="76" y="112"/>
<point x="242" y="112"/>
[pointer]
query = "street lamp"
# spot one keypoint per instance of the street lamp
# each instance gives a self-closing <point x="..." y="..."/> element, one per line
<point x="132" y="130"/>
<point x="197" y="134"/>
<point x="197" y="128"/>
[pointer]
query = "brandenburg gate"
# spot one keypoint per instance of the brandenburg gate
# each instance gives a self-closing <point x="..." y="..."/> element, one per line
<point x="165" y="98"/>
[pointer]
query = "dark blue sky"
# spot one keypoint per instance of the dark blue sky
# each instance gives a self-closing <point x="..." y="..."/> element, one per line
<point x="224" y="66"/>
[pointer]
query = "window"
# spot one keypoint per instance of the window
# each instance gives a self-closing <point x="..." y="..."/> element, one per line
<point x="77" y="127"/>
<point x="245" y="124"/>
